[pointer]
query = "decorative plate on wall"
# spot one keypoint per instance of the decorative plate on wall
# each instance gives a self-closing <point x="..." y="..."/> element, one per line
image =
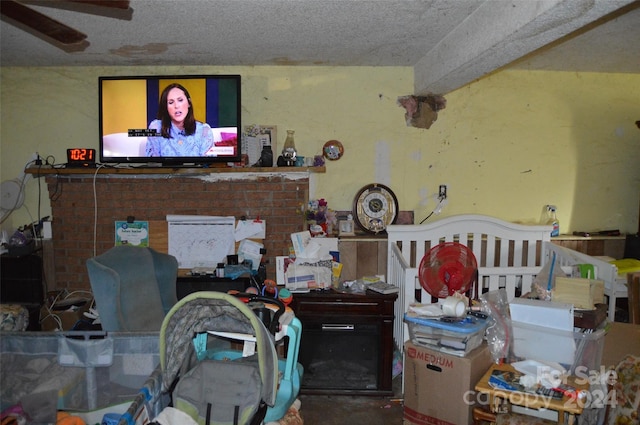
<point x="333" y="150"/>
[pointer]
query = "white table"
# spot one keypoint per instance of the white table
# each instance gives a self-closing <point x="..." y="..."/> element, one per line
<point x="613" y="292"/>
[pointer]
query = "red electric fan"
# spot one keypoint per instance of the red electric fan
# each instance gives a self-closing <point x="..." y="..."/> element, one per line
<point x="447" y="268"/>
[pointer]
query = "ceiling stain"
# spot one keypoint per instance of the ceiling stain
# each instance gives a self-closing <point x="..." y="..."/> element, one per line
<point x="290" y="62"/>
<point x="284" y="61"/>
<point x="129" y="51"/>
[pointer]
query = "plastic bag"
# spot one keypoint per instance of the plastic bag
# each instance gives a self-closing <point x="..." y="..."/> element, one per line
<point x="499" y="333"/>
<point x="544" y="282"/>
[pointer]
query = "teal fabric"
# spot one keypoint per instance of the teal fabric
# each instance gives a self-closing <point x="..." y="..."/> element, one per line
<point x="133" y="287"/>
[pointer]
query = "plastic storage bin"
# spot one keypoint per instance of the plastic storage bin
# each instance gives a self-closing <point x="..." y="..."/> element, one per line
<point x="578" y="352"/>
<point x="89" y="371"/>
<point x="456" y="337"/>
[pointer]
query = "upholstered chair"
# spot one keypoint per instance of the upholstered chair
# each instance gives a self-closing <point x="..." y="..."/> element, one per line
<point x="133" y="287"/>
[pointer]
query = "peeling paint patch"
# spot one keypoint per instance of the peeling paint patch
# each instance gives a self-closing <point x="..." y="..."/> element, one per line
<point x="382" y="163"/>
<point x="213" y="177"/>
<point x="291" y="62"/>
<point x="424" y="197"/>
<point x="226" y="177"/>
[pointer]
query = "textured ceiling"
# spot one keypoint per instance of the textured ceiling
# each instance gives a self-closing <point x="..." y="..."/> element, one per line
<point x="449" y="42"/>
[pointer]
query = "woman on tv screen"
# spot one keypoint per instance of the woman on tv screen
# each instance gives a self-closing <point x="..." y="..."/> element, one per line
<point x="178" y="132"/>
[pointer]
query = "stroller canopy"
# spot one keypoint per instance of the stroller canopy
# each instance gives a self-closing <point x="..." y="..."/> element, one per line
<point x="201" y="312"/>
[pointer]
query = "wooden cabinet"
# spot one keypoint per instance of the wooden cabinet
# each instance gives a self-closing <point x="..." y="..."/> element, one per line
<point x="362" y="256"/>
<point x="347" y="342"/>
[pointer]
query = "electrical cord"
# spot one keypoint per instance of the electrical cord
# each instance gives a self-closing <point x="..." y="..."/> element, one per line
<point x="95" y="210"/>
<point x="437" y="209"/>
<point x="57" y="191"/>
<point x="50" y="160"/>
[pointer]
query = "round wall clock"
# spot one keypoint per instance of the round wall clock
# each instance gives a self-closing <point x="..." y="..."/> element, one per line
<point x="375" y="207"/>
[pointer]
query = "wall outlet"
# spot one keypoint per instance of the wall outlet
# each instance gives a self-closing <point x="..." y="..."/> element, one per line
<point x="442" y="192"/>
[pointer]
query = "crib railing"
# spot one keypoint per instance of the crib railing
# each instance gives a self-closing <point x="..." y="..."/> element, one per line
<point x="509" y="256"/>
<point x="400" y="274"/>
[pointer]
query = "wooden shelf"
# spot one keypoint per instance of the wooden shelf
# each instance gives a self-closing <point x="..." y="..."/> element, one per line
<point x="48" y="170"/>
<point x="586" y="238"/>
<point x="362" y="256"/>
<point x="609" y="246"/>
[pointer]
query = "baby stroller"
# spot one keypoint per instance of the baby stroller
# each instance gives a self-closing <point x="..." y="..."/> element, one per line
<point x="219" y="361"/>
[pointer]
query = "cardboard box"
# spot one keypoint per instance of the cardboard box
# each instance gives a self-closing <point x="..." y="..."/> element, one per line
<point x="439" y="387"/>
<point x="621" y="339"/>
<point x="51" y="319"/>
<point x="582" y="293"/>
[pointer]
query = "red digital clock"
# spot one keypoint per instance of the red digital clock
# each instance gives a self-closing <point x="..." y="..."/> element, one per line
<point x="81" y="157"/>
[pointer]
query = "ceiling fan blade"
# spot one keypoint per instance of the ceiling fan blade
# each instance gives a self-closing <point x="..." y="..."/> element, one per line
<point x="41" y="24"/>
<point x="118" y="9"/>
<point x="116" y="4"/>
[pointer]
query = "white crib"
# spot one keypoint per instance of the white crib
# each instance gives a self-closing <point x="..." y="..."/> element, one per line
<point x="509" y="256"/>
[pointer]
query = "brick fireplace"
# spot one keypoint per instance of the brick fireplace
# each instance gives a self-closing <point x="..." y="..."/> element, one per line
<point x="77" y="221"/>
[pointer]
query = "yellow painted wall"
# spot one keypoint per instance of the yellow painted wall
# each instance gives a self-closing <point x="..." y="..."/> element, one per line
<point x="505" y="145"/>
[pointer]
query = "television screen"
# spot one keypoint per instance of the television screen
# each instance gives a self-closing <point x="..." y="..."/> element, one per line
<point x="185" y="119"/>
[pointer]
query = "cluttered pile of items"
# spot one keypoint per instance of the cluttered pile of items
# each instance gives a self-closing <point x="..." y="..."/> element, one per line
<point x="537" y="343"/>
<point x="315" y="265"/>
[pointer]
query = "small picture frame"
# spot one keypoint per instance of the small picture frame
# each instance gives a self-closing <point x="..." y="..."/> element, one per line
<point x="346" y="228"/>
<point x="255" y="137"/>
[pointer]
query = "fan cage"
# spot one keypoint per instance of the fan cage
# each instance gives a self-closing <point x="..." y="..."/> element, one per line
<point x="447" y="268"/>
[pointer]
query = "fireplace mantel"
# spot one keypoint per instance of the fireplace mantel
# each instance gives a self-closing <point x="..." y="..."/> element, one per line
<point x="181" y="171"/>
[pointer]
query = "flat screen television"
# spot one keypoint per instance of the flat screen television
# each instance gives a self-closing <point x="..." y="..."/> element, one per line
<point x="170" y="120"/>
